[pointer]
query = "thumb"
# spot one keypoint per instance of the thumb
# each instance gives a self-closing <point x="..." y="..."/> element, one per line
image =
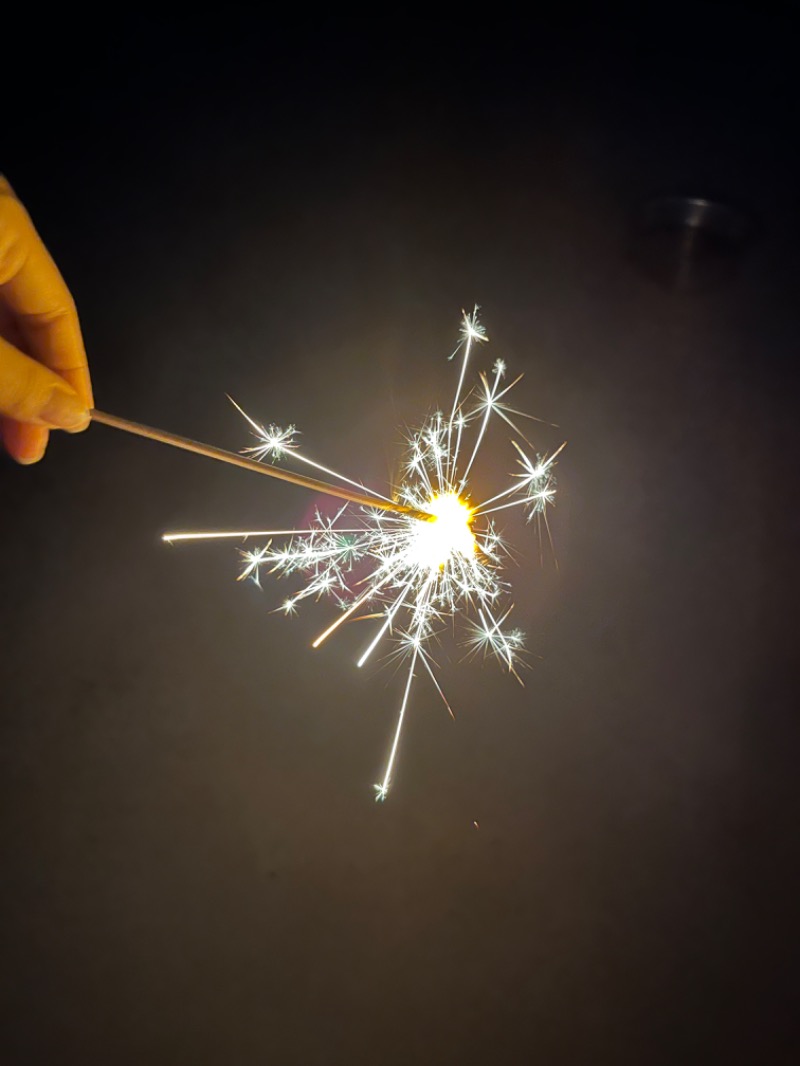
<point x="29" y="392"/>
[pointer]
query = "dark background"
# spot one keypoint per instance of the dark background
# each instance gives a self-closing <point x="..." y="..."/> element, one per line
<point x="193" y="870"/>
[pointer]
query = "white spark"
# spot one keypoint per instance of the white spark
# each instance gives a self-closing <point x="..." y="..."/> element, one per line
<point x="412" y="576"/>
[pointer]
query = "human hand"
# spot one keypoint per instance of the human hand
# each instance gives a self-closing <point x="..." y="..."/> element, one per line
<point x="44" y="378"/>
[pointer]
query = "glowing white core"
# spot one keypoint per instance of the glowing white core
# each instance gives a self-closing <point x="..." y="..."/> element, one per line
<point x="449" y="533"/>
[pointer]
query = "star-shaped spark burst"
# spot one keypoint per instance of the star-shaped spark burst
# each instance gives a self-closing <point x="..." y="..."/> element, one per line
<point x="414" y="575"/>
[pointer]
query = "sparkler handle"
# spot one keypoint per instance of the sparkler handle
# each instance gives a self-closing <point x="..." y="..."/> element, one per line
<point x="211" y="452"/>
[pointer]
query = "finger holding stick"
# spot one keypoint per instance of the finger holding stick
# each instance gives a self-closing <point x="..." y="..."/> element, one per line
<point x="44" y="375"/>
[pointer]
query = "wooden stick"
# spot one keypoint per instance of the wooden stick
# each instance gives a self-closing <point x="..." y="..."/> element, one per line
<point x="211" y="452"/>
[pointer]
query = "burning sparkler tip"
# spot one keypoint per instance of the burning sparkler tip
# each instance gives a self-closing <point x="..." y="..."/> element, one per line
<point x="435" y="557"/>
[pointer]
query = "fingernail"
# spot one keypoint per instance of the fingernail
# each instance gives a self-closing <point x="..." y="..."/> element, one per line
<point x="64" y="410"/>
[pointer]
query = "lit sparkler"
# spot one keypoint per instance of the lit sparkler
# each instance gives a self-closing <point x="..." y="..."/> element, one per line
<point x="410" y="574"/>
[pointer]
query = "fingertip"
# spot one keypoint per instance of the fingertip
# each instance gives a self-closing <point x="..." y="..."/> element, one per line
<point x="79" y="429"/>
<point x="25" y="443"/>
<point x="64" y="410"/>
<point x="28" y="460"/>
<point x="80" y="380"/>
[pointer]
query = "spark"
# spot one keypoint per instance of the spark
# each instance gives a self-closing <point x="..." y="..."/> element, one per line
<point x="415" y="578"/>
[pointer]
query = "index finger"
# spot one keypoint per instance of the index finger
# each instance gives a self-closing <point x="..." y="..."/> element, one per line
<point x="33" y="289"/>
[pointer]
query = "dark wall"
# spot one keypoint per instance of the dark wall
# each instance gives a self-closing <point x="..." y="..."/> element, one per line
<point x="192" y="866"/>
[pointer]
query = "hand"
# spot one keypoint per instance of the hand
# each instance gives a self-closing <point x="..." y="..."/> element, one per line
<point x="44" y="379"/>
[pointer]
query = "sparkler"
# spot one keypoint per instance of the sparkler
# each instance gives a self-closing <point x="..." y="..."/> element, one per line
<point x="423" y="558"/>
